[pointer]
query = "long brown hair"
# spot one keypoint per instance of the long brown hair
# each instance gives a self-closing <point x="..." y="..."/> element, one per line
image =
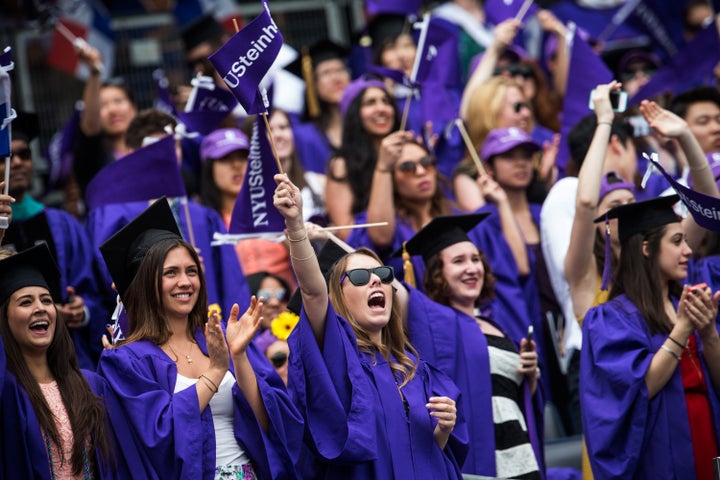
<point x="394" y="341"/>
<point x="438" y="289"/>
<point x="85" y="410"/>
<point x="638" y="277"/>
<point x="143" y="302"/>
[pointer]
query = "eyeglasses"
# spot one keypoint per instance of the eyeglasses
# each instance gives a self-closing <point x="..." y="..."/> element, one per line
<point x="408" y="166"/>
<point x="23" y="153"/>
<point x="266" y="295"/>
<point x="279" y="359"/>
<point x="515" y="70"/>
<point x="518" y="106"/>
<point x="361" y="276"/>
<point x="632" y="73"/>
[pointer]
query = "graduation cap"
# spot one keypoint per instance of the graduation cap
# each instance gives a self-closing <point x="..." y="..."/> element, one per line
<point x="635" y="218"/>
<point x="26" y="126"/>
<point x="440" y="233"/>
<point x="328" y="256"/>
<point x="34" y="267"/>
<point x="204" y="29"/>
<point x="304" y="67"/>
<point x="125" y="250"/>
<point x="638" y="217"/>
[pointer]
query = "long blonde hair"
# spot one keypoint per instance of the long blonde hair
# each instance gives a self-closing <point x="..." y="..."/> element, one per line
<point x="394" y="343"/>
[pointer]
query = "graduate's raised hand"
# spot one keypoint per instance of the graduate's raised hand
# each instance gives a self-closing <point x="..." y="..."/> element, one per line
<point x="548" y="170"/>
<point x="663" y="121"/>
<point x="391" y="149"/>
<point x="216" y="345"/>
<point x="600" y="99"/>
<point x="241" y="331"/>
<point x="505" y="33"/>
<point x="89" y="55"/>
<point x="490" y="189"/>
<point x="288" y="201"/>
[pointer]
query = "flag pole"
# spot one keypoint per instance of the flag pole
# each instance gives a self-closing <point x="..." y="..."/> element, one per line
<point x="416" y="66"/>
<point x="470" y="147"/>
<point x="265" y="119"/>
<point x="523" y="10"/>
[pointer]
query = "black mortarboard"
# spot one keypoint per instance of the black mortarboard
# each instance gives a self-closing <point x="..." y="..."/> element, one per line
<point x="25" y="127"/>
<point x="204" y="29"/>
<point x="34" y="267"/>
<point x="328" y="256"/>
<point x="125" y="250"/>
<point x="320" y="51"/>
<point x="638" y="217"/>
<point x="440" y="233"/>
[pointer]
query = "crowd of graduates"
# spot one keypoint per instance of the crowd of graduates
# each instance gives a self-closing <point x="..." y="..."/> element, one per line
<point x="477" y="255"/>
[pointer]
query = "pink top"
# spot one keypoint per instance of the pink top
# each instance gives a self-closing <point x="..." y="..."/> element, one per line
<point x="63" y="470"/>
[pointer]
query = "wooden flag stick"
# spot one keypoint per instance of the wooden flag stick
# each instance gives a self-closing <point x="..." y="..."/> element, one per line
<point x="523" y="9"/>
<point x="351" y="227"/>
<point x="406" y="110"/>
<point x="470" y="147"/>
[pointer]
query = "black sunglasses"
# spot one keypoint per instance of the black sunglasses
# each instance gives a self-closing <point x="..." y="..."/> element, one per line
<point x="408" y="166"/>
<point x="515" y="70"/>
<point x="361" y="276"/>
<point x="23" y="153"/>
<point x="279" y="359"/>
<point x="518" y="106"/>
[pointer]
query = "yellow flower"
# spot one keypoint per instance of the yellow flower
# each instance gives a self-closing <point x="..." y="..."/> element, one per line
<point x="214" y="308"/>
<point x="283" y="324"/>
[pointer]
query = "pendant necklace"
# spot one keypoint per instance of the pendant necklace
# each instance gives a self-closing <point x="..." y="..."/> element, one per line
<point x="187" y="355"/>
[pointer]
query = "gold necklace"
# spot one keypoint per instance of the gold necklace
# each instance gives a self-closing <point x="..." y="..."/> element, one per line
<point x="187" y="355"/>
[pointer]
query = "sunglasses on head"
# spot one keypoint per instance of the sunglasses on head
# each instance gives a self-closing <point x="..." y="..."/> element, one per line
<point x="518" y="106"/>
<point x="515" y="70"/>
<point x="361" y="276"/>
<point x="266" y="295"/>
<point x="408" y="166"/>
<point x="279" y="359"/>
<point x="23" y="153"/>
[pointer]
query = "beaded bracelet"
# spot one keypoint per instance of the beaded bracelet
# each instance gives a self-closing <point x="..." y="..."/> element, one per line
<point x="677" y="357"/>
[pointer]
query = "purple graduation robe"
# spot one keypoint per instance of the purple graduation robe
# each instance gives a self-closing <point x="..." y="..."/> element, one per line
<point x="175" y="439"/>
<point x="355" y="421"/>
<point x="23" y="452"/>
<point x="312" y="146"/>
<point x="72" y="251"/>
<point x="454" y="343"/>
<point x="223" y="274"/>
<point x="629" y="435"/>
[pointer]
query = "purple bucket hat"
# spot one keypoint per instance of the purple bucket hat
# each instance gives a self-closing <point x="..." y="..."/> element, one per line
<point x="502" y="140"/>
<point x="220" y="142"/>
<point x="607" y="186"/>
<point x="355" y="88"/>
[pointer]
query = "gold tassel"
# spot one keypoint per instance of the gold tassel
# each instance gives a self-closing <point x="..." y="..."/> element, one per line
<point x="311" y="97"/>
<point x="408" y="270"/>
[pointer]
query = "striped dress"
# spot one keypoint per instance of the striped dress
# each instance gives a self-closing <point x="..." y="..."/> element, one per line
<point x="514" y="455"/>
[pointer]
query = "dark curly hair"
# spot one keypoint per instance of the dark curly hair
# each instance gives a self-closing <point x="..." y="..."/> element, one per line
<point x="438" y="289"/>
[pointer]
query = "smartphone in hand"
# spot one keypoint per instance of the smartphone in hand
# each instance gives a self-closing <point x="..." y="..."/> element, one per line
<point x="618" y="100"/>
<point x="528" y="339"/>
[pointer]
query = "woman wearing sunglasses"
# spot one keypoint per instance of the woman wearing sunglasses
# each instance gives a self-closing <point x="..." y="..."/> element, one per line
<point x="406" y="192"/>
<point x="372" y="408"/>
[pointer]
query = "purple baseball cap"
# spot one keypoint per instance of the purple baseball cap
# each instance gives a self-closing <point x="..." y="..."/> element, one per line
<point x="502" y="140"/>
<point x="264" y="340"/>
<point x="220" y="142"/>
<point x="610" y="182"/>
<point x="355" y="88"/>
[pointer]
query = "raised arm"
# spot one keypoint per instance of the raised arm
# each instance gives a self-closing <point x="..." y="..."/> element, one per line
<point x="553" y="26"/>
<point x="580" y="270"/>
<point x="503" y="36"/>
<point x="381" y="202"/>
<point x="311" y="282"/>
<point x="670" y="125"/>
<point x="90" y="121"/>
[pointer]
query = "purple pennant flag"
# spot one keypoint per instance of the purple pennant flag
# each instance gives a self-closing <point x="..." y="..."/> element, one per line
<point x="163" y="100"/>
<point x="396" y="76"/>
<point x="254" y="211"/>
<point x="438" y="60"/>
<point x="586" y="71"/>
<point x="147" y="173"/>
<point x="500" y="10"/>
<point x="207" y="106"/>
<point x="693" y="64"/>
<point x="6" y="112"/>
<point x="60" y="150"/>
<point x="401" y="7"/>
<point x="704" y="208"/>
<point x="245" y="59"/>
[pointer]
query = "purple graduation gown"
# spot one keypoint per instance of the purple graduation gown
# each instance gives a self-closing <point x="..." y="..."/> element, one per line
<point x="223" y="275"/>
<point x="312" y="146"/>
<point x="627" y="434"/>
<point x="176" y="440"/>
<point x="454" y="343"/>
<point x="355" y="420"/>
<point x="74" y="259"/>
<point x="23" y="454"/>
